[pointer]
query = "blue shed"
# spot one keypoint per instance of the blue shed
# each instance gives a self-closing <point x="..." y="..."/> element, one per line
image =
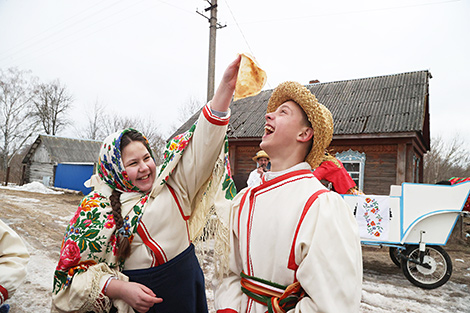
<point x="80" y="172"/>
<point x="61" y="162"/>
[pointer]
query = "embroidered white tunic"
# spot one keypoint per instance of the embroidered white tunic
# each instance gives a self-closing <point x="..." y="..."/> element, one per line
<point x="280" y="233"/>
<point x="163" y="231"/>
<point x="13" y="259"/>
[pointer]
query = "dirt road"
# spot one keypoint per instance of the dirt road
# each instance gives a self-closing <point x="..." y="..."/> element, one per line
<point x="41" y="220"/>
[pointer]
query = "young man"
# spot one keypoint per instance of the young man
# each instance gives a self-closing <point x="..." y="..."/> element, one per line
<point x="295" y="246"/>
<point x="262" y="160"/>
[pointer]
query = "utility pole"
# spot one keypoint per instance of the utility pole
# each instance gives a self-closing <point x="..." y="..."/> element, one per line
<point x="212" y="46"/>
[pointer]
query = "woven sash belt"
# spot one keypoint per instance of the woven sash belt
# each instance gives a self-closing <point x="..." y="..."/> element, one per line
<point x="278" y="298"/>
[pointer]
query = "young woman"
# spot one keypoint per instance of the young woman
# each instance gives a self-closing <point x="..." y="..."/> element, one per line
<point x="129" y="244"/>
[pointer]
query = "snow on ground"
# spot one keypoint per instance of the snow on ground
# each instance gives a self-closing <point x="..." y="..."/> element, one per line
<point x="380" y="294"/>
<point x="33" y="187"/>
<point x="34" y="294"/>
<point x="393" y="293"/>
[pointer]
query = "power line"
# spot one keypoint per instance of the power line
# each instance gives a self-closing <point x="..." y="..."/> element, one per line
<point x="177" y="7"/>
<point x="243" y="35"/>
<point x="38" y="39"/>
<point x="238" y="26"/>
<point x="348" y="12"/>
<point x="81" y="30"/>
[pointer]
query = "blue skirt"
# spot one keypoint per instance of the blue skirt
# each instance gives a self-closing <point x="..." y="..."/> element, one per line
<point x="179" y="282"/>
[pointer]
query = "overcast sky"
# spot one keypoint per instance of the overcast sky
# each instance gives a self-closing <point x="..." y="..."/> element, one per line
<point x="148" y="57"/>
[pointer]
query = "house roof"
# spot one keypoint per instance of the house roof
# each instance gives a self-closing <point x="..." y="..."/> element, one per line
<point x="62" y="150"/>
<point x="383" y="104"/>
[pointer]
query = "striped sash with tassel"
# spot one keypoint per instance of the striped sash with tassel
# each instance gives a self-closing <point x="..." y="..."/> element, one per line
<point x="278" y="298"/>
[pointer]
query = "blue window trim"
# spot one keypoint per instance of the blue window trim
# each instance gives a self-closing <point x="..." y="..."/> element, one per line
<point x="350" y="156"/>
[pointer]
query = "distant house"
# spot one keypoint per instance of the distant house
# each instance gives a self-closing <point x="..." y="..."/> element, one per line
<point x="61" y="162"/>
<point x="381" y="128"/>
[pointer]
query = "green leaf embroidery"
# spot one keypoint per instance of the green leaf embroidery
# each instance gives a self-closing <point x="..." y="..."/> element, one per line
<point x="60" y="279"/>
<point x="94" y="246"/>
<point x="81" y="244"/>
<point x="91" y="233"/>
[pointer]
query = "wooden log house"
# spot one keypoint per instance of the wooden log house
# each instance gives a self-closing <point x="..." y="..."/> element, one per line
<point x="381" y="128"/>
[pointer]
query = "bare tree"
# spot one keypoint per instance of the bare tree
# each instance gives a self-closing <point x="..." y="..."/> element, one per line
<point x="101" y="125"/>
<point x="16" y="124"/>
<point x="94" y="117"/>
<point x="52" y="101"/>
<point x="446" y="160"/>
<point x="188" y="108"/>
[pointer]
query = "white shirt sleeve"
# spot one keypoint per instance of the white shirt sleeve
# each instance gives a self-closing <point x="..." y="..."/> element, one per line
<point x="199" y="157"/>
<point x="254" y="179"/>
<point x="329" y="255"/>
<point x="13" y="260"/>
<point x="228" y="295"/>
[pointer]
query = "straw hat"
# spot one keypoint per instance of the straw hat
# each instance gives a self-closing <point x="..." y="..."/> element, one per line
<point x="318" y="115"/>
<point x="260" y="154"/>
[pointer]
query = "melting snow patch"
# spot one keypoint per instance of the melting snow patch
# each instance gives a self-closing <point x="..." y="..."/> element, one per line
<point x="35" y="187"/>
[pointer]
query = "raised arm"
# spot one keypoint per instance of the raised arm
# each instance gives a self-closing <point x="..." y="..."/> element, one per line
<point x="224" y="93"/>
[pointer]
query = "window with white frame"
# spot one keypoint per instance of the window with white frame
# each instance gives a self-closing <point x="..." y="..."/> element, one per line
<point x="354" y="163"/>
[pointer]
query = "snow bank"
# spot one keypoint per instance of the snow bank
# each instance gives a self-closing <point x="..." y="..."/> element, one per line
<point x="34" y="187"/>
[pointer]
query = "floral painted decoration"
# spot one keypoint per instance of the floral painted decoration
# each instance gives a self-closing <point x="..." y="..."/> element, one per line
<point x="373" y="217"/>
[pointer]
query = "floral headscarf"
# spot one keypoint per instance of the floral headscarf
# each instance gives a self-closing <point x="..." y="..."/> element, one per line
<point x="110" y="167"/>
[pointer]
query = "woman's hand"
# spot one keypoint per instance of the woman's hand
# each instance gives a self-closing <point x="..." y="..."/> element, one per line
<point x="224" y="93"/>
<point x="138" y="296"/>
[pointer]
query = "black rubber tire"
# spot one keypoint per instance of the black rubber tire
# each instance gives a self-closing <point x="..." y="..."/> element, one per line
<point x="393" y="252"/>
<point x="436" y="276"/>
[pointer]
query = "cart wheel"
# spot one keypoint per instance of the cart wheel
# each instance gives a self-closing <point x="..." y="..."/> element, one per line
<point x="393" y="252"/>
<point x="428" y="278"/>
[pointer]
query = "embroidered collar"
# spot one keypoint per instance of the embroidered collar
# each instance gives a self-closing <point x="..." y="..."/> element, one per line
<point x="271" y="175"/>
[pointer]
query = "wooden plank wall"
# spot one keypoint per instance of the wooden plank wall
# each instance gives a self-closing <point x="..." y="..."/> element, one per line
<point x="380" y="168"/>
<point x="241" y="162"/>
<point x="386" y="164"/>
<point x="37" y="172"/>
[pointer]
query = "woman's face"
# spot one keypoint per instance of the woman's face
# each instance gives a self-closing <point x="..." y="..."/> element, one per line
<point x="139" y="165"/>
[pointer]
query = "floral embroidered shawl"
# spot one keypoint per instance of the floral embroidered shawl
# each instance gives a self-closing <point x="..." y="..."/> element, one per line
<point x="91" y="237"/>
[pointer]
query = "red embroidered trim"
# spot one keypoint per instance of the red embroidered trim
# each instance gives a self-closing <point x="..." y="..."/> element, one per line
<point x="248" y="233"/>
<point x="240" y="208"/>
<point x="258" y="190"/>
<point x="219" y="121"/>
<point x="226" y="311"/>
<point x="186" y="218"/>
<point x="292" y="265"/>
<point x="4" y="294"/>
<point x="178" y="203"/>
<point x="152" y="244"/>
<point x="283" y="177"/>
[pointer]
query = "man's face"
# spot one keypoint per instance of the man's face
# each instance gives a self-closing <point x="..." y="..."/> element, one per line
<point x="282" y="128"/>
<point x="263" y="162"/>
